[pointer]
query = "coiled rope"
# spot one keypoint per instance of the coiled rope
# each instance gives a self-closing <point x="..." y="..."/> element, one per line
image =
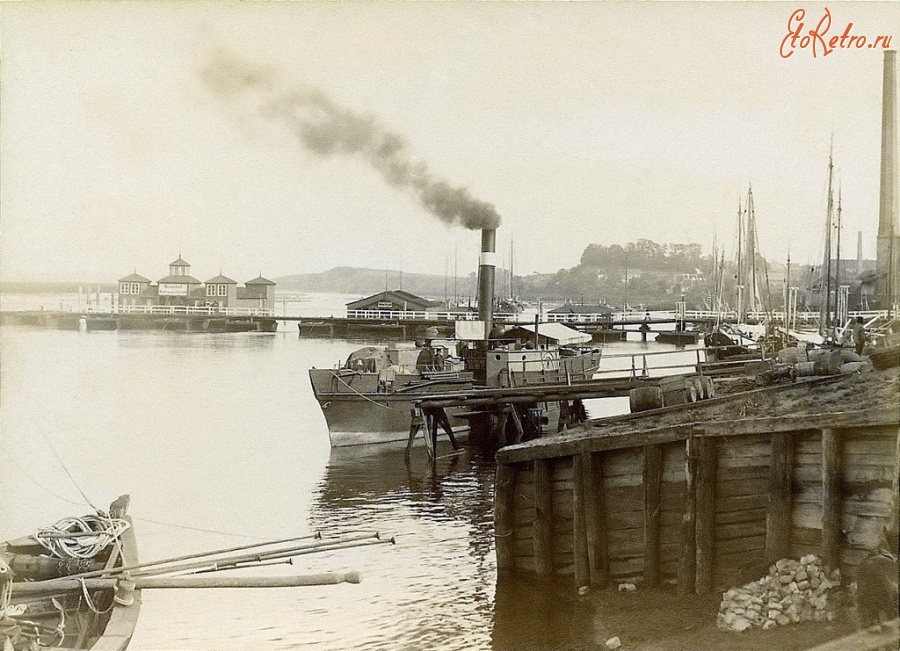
<point x="83" y="537"/>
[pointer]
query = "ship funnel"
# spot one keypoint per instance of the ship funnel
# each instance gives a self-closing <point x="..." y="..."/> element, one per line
<point x="486" y="267"/>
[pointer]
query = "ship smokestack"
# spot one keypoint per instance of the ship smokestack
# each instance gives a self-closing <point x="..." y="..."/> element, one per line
<point x="888" y="249"/>
<point x="486" y="266"/>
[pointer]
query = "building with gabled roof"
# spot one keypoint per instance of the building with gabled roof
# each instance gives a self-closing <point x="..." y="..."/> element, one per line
<point x="180" y="289"/>
<point x="395" y="300"/>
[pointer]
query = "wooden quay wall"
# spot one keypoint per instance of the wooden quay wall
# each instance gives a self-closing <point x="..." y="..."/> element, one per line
<point x="705" y="505"/>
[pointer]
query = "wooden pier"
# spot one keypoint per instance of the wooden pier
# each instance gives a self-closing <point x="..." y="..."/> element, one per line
<point x="707" y="502"/>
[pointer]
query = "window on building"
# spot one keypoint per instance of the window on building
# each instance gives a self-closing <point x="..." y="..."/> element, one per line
<point x="135" y="288"/>
<point x="210" y="290"/>
<point x="223" y="290"/>
<point x="123" y="288"/>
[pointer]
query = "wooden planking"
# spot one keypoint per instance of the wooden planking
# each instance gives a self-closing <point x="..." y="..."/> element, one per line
<point x="579" y="527"/>
<point x="832" y="471"/>
<point x="807" y="516"/>
<point x="652" y="475"/>
<point x="595" y="520"/>
<point x="744" y="515"/>
<point x="569" y="445"/>
<point x="621" y="463"/>
<point x="737" y="503"/>
<point x="504" y="516"/>
<point x="741" y="530"/>
<point x="865" y="500"/>
<point x="707" y="473"/>
<point x="779" y="499"/>
<point x="543" y="551"/>
<point x="755" y="544"/>
<point x="742" y="487"/>
<point x="807" y="536"/>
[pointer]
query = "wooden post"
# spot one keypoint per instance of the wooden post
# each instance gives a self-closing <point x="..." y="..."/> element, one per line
<point x="504" y="491"/>
<point x="778" y="514"/>
<point x="416" y="422"/>
<point x="501" y="428"/>
<point x="595" y="529"/>
<point x="520" y="431"/>
<point x="652" y="479"/>
<point x="706" y="513"/>
<point x="543" y="514"/>
<point x="579" y="522"/>
<point x="444" y="421"/>
<point x="687" y="562"/>
<point x="832" y="473"/>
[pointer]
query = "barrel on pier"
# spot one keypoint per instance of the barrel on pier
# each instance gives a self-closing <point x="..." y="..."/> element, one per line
<point x="644" y="398"/>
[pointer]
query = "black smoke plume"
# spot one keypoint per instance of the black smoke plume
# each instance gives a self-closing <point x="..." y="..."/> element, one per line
<point x="327" y="129"/>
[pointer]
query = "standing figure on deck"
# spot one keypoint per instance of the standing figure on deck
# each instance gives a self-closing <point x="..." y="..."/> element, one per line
<point x="859" y="335"/>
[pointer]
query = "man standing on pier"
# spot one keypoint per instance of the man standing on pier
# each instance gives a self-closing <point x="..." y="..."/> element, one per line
<point x="859" y="335"/>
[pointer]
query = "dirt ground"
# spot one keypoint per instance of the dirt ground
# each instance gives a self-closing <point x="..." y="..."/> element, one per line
<point x="661" y="620"/>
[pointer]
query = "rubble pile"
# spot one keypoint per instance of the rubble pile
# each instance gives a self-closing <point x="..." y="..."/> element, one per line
<point x="792" y="592"/>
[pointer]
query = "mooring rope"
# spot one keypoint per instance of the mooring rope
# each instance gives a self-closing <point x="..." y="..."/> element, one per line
<point x="362" y="395"/>
<point x="82" y="538"/>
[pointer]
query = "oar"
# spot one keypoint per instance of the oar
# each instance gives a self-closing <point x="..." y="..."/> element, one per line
<point x="224" y="563"/>
<point x="141" y="566"/>
<point x="159" y="582"/>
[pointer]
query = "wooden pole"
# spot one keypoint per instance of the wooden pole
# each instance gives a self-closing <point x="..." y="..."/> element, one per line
<point x="177" y="559"/>
<point x="444" y="422"/>
<point x="520" y="431"/>
<point x="652" y="478"/>
<point x="778" y="513"/>
<point x="593" y="520"/>
<point x="706" y="513"/>
<point x="687" y="562"/>
<point x="579" y="522"/>
<point x="155" y="582"/>
<point x="415" y="425"/>
<point x="543" y="514"/>
<point x="832" y="472"/>
<point x="504" y="492"/>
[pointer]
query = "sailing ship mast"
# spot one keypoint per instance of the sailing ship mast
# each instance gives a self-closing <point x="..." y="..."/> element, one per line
<point x="752" y="252"/>
<point x="739" y="311"/>
<point x="825" y="315"/>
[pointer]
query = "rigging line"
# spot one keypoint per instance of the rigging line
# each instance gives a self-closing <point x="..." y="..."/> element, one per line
<point x="10" y="456"/>
<point x="184" y="526"/>
<point x="361" y="395"/>
<point x="53" y="450"/>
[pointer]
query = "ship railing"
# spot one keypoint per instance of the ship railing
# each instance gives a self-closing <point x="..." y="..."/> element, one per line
<point x="411" y="315"/>
<point x="186" y="310"/>
<point x="636" y="365"/>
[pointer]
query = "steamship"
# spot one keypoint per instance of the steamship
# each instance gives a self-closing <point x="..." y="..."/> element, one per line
<point x="372" y="396"/>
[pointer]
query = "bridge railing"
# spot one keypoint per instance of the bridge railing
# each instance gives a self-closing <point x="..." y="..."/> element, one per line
<point x="186" y="310"/>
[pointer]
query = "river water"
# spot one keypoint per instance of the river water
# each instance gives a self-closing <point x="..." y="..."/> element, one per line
<point x="219" y="442"/>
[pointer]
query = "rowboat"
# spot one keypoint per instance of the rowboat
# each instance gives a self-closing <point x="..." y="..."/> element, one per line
<point x="88" y="617"/>
<point x="77" y="584"/>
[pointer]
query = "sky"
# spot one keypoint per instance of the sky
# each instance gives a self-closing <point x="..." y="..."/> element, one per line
<point x="132" y="132"/>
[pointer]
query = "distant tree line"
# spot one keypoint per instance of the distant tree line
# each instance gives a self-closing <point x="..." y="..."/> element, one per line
<point x="645" y="255"/>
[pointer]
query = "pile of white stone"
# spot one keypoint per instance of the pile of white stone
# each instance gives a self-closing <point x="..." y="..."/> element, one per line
<point x="791" y="592"/>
